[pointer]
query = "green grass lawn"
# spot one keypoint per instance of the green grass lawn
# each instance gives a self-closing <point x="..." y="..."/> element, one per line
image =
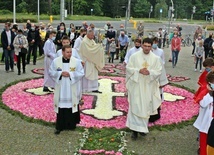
<point x="21" y="17"/>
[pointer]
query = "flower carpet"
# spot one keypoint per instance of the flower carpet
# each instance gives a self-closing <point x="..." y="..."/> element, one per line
<point x="99" y="110"/>
<point x="106" y="110"/>
<point x="118" y="69"/>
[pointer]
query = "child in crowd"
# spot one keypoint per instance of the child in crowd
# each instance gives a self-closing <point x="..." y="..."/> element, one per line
<point x="199" y="55"/>
<point x="204" y="118"/>
<point x="208" y="64"/>
<point x="112" y="50"/>
<point x="197" y="40"/>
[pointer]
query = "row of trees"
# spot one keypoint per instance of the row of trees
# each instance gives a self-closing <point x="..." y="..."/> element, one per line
<point x="112" y="8"/>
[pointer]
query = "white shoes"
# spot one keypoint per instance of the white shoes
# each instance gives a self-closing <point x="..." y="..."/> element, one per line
<point x="196" y="70"/>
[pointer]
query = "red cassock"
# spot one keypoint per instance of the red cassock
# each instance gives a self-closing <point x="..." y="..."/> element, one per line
<point x="202" y="90"/>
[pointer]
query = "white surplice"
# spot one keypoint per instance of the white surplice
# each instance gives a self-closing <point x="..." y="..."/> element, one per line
<point x="130" y="52"/>
<point x="67" y="89"/>
<point x="163" y="78"/>
<point x="143" y="90"/>
<point x="204" y="118"/>
<point x="159" y="52"/>
<point x="50" y="55"/>
<point x="77" y="43"/>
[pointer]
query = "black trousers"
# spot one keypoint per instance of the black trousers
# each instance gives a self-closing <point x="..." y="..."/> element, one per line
<point x="2" y="57"/>
<point x="66" y="120"/>
<point x="210" y="135"/>
<point x="206" y="52"/>
<point x="193" y="50"/>
<point x="41" y="45"/>
<point x="122" y="55"/>
<point x="33" y="49"/>
<point x="21" y="58"/>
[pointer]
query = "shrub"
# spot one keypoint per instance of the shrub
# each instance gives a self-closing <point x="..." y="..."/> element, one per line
<point x="3" y="12"/>
<point x="209" y="27"/>
<point x="18" y="20"/>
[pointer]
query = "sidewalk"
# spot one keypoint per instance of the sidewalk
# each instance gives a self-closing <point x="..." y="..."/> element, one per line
<point x="19" y="137"/>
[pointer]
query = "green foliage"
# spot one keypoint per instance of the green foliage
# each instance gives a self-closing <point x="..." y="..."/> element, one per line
<point x="113" y="8"/>
<point x="161" y="5"/>
<point x="22" y="7"/>
<point x="2" y="12"/>
<point x="142" y="7"/>
<point x="99" y="139"/>
<point x="20" y="18"/>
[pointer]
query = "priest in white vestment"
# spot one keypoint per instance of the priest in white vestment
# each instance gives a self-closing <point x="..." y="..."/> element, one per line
<point x="142" y="82"/>
<point x="66" y="71"/>
<point x="50" y="55"/>
<point x="92" y="55"/>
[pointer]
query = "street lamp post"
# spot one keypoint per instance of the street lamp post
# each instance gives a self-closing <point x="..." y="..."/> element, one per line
<point x="126" y="15"/>
<point x="38" y="11"/>
<point x="62" y="10"/>
<point x="151" y="9"/>
<point x="171" y="9"/>
<point x="14" y="11"/>
<point x="126" y="18"/>
<point x="72" y="7"/>
<point x="212" y="12"/>
<point x="193" y="11"/>
<point x="129" y="9"/>
<point x="92" y="11"/>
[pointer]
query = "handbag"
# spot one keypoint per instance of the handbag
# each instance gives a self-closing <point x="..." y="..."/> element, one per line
<point x="24" y="50"/>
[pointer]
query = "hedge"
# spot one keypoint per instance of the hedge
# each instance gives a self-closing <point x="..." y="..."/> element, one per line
<point x="18" y="20"/>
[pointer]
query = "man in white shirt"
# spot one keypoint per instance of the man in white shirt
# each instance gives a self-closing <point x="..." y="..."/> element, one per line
<point x="133" y="50"/>
<point x="163" y="79"/>
<point x="78" y="41"/>
<point x="66" y="41"/>
<point x="158" y="51"/>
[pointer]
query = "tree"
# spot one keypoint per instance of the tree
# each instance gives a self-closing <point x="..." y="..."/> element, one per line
<point x="79" y="7"/>
<point x="141" y="8"/>
<point x="22" y="7"/>
<point x="161" y="4"/>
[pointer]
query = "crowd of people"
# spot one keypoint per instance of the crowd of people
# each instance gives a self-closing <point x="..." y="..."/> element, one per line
<point x="73" y="60"/>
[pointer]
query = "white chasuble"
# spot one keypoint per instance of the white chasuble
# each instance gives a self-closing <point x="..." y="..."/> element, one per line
<point x="143" y="90"/>
<point x="93" y="56"/>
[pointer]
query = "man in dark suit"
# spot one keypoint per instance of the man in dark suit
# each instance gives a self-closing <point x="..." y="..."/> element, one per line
<point x="7" y="37"/>
<point x="59" y="37"/>
<point x="33" y="40"/>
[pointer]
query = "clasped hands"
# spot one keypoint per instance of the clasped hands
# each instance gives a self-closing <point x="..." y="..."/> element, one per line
<point x="144" y="71"/>
<point x="65" y="74"/>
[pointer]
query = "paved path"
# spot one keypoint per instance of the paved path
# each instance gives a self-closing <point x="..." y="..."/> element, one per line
<point x="18" y="137"/>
